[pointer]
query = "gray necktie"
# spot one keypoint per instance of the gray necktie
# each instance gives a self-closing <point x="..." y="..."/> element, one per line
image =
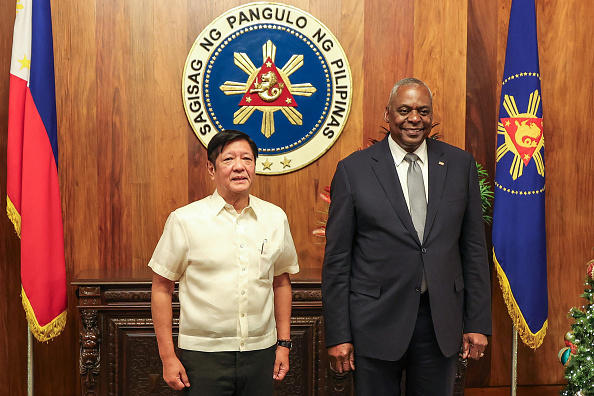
<point x="416" y="200"/>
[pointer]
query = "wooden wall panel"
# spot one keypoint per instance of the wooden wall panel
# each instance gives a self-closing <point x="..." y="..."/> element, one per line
<point x="389" y="57"/>
<point x="440" y="61"/>
<point x="480" y="131"/>
<point x="128" y="156"/>
<point x="113" y="113"/>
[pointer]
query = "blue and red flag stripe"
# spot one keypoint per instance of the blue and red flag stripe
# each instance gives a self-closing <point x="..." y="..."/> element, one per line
<point x="33" y="192"/>
<point x="519" y="237"/>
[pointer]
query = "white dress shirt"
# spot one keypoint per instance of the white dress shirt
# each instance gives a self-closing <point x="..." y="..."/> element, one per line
<point x="398" y="154"/>
<point x="225" y="263"/>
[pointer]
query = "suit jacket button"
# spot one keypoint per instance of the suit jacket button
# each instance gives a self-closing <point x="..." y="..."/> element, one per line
<point x="424" y="250"/>
<point x="418" y="288"/>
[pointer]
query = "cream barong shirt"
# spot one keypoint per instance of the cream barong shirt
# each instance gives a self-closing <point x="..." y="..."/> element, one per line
<point x="225" y="263"/>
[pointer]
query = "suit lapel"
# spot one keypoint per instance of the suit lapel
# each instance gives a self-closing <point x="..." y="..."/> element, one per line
<point x="385" y="171"/>
<point x="438" y="167"/>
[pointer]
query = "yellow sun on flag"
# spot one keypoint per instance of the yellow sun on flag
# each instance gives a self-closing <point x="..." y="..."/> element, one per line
<point x="523" y="135"/>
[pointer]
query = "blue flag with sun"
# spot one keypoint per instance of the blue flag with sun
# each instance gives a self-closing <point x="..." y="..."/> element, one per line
<point x="519" y="238"/>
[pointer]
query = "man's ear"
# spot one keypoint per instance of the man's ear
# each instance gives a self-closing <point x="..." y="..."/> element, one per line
<point x="386" y="119"/>
<point x="211" y="169"/>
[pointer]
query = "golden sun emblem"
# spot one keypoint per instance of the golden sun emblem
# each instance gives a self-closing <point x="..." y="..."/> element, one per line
<point x="523" y="135"/>
<point x="267" y="89"/>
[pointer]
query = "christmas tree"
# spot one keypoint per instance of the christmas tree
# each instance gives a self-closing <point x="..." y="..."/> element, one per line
<point x="578" y="354"/>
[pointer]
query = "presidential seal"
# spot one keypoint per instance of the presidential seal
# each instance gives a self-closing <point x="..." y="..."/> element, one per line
<point x="274" y="72"/>
<point x="521" y="133"/>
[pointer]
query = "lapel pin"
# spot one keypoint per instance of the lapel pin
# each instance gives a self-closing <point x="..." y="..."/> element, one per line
<point x="441" y="163"/>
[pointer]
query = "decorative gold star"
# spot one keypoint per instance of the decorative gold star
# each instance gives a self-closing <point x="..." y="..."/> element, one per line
<point x="288" y="100"/>
<point x="25" y="62"/>
<point x="286" y="163"/>
<point x="248" y="99"/>
<point x="268" y="64"/>
<point x="507" y="123"/>
<point x="267" y="164"/>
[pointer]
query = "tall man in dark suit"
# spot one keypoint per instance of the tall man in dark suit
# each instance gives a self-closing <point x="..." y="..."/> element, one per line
<point x="405" y="281"/>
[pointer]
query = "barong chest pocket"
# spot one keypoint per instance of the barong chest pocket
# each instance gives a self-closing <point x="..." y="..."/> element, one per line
<point x="268" y="255"/>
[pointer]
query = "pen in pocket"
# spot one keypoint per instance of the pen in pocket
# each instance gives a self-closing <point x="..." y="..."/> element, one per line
<point x="263" y="242"/>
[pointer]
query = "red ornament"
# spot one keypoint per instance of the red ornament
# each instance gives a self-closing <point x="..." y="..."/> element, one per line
<point x="572" y="346"/>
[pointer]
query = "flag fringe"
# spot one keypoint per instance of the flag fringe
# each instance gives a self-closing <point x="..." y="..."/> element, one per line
<point x="13" y="215"/>
<point x="533" y="340"/>
<point x="50" y="330"/>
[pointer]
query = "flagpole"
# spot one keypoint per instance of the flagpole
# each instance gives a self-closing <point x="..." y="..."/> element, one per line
<point x="514" y="367"/>
<point x="29" y="362"/>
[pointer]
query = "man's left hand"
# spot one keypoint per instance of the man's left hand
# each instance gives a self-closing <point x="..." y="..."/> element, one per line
<point x="473" y="345"/>
<point x="281" y="364"/>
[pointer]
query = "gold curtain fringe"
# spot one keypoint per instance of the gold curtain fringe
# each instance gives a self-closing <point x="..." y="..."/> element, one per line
<point x="42" y="333"/>
<point x="14" y="216"/>
<point x="533" y="340"/>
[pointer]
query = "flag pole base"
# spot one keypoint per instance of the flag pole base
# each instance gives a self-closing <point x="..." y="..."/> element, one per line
<point x="514" y="379"/>
<point x="29" y="362"/>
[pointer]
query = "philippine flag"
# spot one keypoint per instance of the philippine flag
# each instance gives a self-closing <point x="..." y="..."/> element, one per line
<point x="33" y="192"/>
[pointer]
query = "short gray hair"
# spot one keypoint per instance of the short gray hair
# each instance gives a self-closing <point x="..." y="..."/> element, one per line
<point x="405" y="82"/>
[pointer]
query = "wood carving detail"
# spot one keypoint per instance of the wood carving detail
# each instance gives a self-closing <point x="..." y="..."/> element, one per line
<point x="301" y="378"/>
<point x="144" y="368"/>
<point x="307" y="295"/>
<point x="112" y="348"/>
<point x="89" y="360"/>
<point x="87" y="291"/>
<point x="132" y="296"/>
<point x="460" y="377"/>
<point x="89" y="302"/>
<point x="148" y="374"/>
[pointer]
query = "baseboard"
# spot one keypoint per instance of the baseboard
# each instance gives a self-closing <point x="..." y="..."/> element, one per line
<point x="542" y="390"/>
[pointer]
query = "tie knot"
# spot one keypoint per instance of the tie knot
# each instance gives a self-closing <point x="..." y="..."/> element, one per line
<point x="411" y="157"/>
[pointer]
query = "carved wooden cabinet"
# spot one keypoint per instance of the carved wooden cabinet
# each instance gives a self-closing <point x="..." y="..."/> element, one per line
<point x="118" y="347"/>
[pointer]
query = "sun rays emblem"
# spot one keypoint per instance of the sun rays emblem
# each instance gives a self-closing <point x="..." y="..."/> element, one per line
<point x="522" y="135"/>
<point x="272" y="71"/>
<point x="267" y="89"/>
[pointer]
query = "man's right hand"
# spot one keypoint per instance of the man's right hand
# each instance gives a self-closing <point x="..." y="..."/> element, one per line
<point x="174" y="374"/>
<point x="342" y="358"/>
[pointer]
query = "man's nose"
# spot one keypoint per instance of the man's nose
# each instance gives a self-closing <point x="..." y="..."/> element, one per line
<point x="238" y="164"/>
<point x="414" y="116"/>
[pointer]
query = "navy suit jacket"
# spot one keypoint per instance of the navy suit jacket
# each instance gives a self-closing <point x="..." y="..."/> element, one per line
<point x="374" y="259"/>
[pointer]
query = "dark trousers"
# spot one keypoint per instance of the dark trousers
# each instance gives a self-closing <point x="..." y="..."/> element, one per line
<point x="427" y="371"/>
<point x="229" y="373"/>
